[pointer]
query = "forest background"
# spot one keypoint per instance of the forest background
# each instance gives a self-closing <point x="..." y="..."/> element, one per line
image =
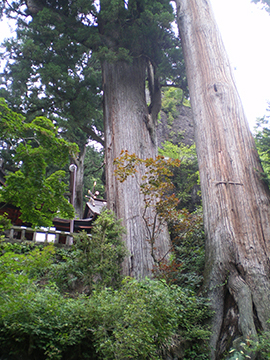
<point x="189" y="338"/>
<point x="237" y="31"/>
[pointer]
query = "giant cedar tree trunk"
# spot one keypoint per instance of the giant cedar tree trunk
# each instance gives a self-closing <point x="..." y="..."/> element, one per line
<point x="128" y="126"/>
<point x="235" y="199"/>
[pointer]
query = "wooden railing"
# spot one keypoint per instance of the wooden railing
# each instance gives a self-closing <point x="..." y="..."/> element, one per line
<point x="21" y="233"/>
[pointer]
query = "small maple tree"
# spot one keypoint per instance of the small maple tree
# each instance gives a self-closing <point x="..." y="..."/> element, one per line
<point x="159" y="198"/>
<point x="156" y="189"/>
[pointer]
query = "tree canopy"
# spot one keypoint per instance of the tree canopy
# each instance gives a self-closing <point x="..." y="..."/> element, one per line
<point x="266" y="3"/>
<point x="54" y="65"/>
<point x="113" y="30"/>
<point x="32" y="150"/>
<point x="51" y="75"/>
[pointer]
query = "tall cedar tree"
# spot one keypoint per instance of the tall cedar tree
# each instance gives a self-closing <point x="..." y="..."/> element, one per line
<point x="131" y="39"/>
<point x="235" y="198"/>
<point x="50" y="74"/>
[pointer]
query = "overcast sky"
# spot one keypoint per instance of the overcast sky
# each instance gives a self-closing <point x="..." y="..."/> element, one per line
<point x="245" y="29"/>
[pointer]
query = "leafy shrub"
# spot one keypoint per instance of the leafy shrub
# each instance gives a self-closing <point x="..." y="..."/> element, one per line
<point x="19" y="248"/>
<point x="185" y="177"/>
<point x="101" y="254"/>
<point x="188" y="240"/>
<point x="250" y="347"/>
<point x="262" y="140"/>
<point x="140" y="320"/>
<point x="144" y="319"/>
<point x="43" y="324"/>
<point x="5" y="223"/>
<point x="65" y="270"/>
<point x="36" y="320"/>
<point x="17" y="269"/>
<point x="263" y="345"/>
<point x="186" y="262"/>
<point x="94" y="261"/>
<point x="173" y="97"/>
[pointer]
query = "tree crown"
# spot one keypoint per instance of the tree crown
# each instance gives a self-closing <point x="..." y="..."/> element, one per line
<point x="32" y="149"/>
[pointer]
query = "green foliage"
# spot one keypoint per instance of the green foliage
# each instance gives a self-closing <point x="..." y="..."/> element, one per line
<point x="66" y="272"/>
<point x="188" y="240"/>
<point x="149" y="318"/>
<point x="101" y="254"/>
<point x="94" y="170"/>
<point x="138" y="28"/>
<point x="34" y="148"/>
<point x="95" y="261"/>
<point x="51" y="72"/>
<point x="263" y="344"/>
<point x="257" y="348"/>
<point x="41" y="323"/>
<point x="5" y="223"/>
<point x="110" y="30"/>
<point x="186" y="263"/>
<point x="247" y="348"/>
<point x="19" y="270"/>
<point x="23" y="247"/>
<point x="159" y="206"/>
<point x="144" y="322"/>
<point x="262" y="140"/>
<point x="54" y="63"/>
<point x="186" y="177"/>
<point x="173" y="97"/>
<point x="141" y="320"/>
<point x="48" y="73"/>
<point x="40" y="318"/>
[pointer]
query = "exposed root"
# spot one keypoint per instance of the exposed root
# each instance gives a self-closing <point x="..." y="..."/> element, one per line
<point x="216" y="294"/>
<point x="242" y="295"/>
<point x="240" y="308"/>
<point x="243" y="298"/>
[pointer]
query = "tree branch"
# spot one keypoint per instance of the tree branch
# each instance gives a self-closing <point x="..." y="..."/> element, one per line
<point x="91" y="133"/>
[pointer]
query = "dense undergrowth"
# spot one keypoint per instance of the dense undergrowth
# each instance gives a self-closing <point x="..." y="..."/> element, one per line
<point x="58" y="303"/>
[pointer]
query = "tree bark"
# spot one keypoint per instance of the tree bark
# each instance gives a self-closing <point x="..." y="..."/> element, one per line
<point x="79" y="183"/>
<point x="235" y="199"/>
<point x="129" y="126"/>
